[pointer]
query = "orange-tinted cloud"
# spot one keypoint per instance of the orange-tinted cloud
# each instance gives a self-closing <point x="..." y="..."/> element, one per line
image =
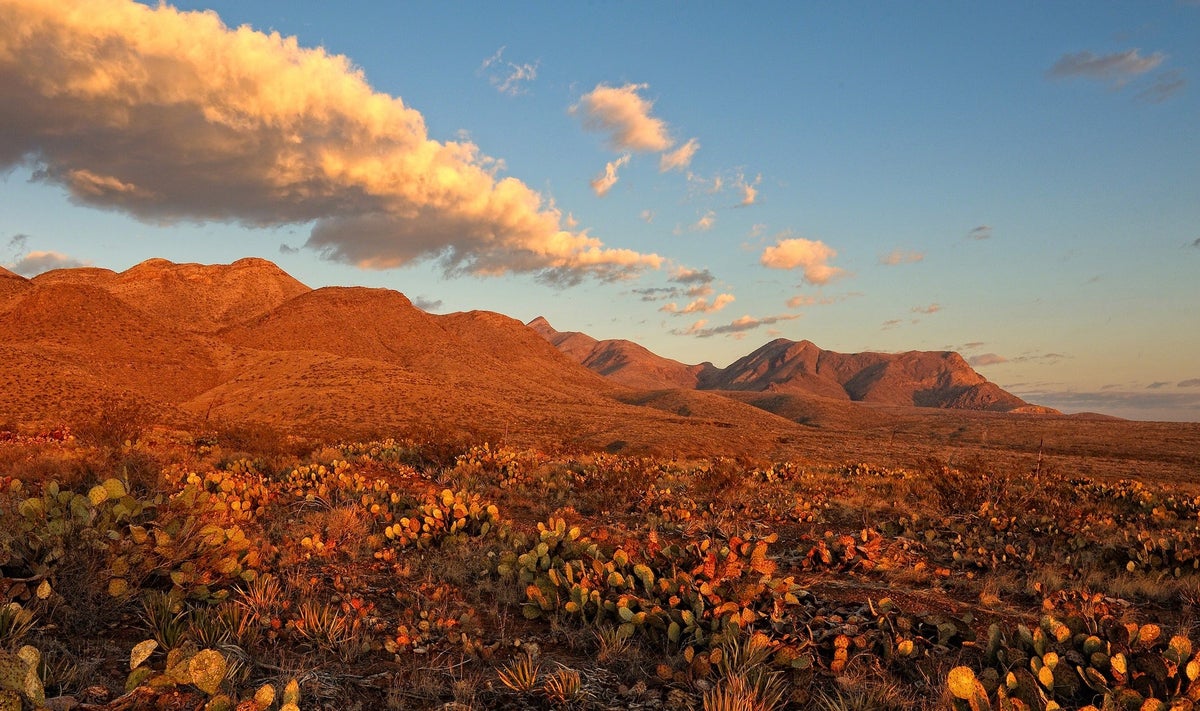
<point x="171" y="115"/>
<point x="812" y="256"/>
<point x="899" y="256"/>
<point x="624" y="115"/>
<point x="701" y="305"/>
<point x="679" y="158"/>
<point x="735" y="328"/>
<point x="36" y="262"/>
<point x="604" y="182"/>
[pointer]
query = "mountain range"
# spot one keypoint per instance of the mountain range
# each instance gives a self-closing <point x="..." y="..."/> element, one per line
<point x="914" y="378"/>
<point x="198" y="345"/>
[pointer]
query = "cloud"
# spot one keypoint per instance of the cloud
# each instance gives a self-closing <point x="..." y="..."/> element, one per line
<point x="427" y="304"/>
<point x="623" y="114"/>
<point x="685" y="275"/>
<point x="810" y="255"/>
<point x="749" y="190"/>
<point x="35" y="263"/>
<point x="1116" y="68"/>
<point x="1136" y="404"/>
<point x="983" y="359"/>
<point x="1196" y="242"/>
<point x="807" y="300"/>
<point x="508" y="77"/>
<point x="890" y="323"/>
<point x="1193" y="383"/>
<point x="1165" y="86"/>
<point x="170" y="115"/>
<point x="679" y="158"/>
<point x="701" y="305"/>
<point x="17" y="245"/>
<point x="288" y="249"/>
<point x="737" y="326"/>
<point x="930" y="309"/>
<point x="706" y="222"/>
<point x="647" y="216"/>
<point x="601" y="184"/>
<point x="899" y="256"/>
<point x="1157" y="385"/>
<point x="980" y="232"/>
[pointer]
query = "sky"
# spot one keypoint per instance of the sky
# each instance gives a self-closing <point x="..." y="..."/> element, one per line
<point x="1016" y="181"/>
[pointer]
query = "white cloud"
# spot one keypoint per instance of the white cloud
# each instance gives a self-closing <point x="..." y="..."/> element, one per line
<point x="679" y="158"/>
<point x="812" y="256"/>
<point x="508" y="77"/>
<point x="170" y="115"/>
<point x="900" y="256"/>
<point x="604" y="182"/>
<point x="623" y="114"/>
<point x="35" y="263"/>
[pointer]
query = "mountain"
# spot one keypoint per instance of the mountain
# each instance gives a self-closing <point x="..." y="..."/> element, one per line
<point x="11" y="286"/>
<point x="622" y="361"/>
<point x="199" y="345"/>
<point x="941" y="379"/>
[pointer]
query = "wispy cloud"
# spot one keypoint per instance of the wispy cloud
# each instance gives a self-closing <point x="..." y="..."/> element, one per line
<point x="890" y="324"/>
<point x="811" y="256"/>
<point x="700" y="329"/>
<point x="1192" y="383"/>
<point x="1165" y="85"/>
<point x="622" y="113"/>
<point x="36" y="262"/>
<point x="985" y="359"/>
<point x="706" y="222"/>
<point x="170" y="115"/>
<point x="285" y="248"/>
<point x="426" y="304"/>
<point x="1116" y="68"/>
<point x="1196" y="242"/>
<point x="647" y="216"/>
<point x="602" y="183"/>
<point x="930" y="309"/>
<point x="980" y="232"/>
<point x="508" y="77"/>
<point x="1157" y="385"/>
<point x="702" y="306"/>
<point x="900" y="256"/>
<point x="749" y="189"/>
<point x="679" y="158"/>
<point x="1132" y="404"/>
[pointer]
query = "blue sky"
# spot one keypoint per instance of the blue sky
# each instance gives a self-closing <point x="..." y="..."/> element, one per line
<point x="1016" y="181"/>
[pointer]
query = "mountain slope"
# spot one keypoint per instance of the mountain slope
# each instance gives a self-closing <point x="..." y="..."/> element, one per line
<point x="916" y="378"/>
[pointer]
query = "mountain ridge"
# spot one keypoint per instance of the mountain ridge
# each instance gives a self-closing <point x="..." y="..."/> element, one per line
<point x="940" y="379"/>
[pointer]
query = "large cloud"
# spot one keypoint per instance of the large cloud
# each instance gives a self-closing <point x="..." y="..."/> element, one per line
<point x="170" y="115"/>
<point x="812" y="256"/>
<point x="625" y="116"/>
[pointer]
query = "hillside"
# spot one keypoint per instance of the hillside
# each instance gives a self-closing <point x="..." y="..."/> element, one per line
<point x="246" y="342"/>
<point x="940" y="379"/>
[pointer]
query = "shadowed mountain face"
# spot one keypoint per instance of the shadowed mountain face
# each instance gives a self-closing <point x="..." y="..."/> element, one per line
<point x="916" y="378"/>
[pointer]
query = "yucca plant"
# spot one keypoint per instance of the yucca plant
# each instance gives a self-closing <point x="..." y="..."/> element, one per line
<point x="166" y="617"/>
<point x="261" y="599"/>
<point x="15" y="623"/>
<point x="564" y="686"/>
<point x="521" y="675"/>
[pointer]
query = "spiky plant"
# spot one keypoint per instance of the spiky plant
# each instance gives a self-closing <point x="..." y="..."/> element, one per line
<point x="166" y="617"/>
<point x="564" y="686"/>
<point x="521" y="675"/>
<point x="261" y="599"/>
<point x="15" y="623"/>
<point x="611" y="646"/>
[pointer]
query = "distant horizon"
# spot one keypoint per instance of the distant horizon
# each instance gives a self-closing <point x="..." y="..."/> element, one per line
<point x="1013" y="182"/>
